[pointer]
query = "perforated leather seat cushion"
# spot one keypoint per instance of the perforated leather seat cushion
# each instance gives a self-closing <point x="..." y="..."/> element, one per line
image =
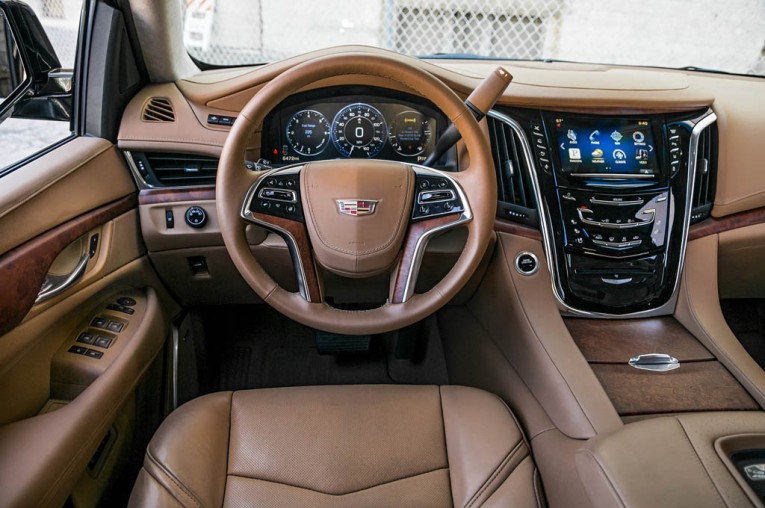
<point x="339" y="446"/>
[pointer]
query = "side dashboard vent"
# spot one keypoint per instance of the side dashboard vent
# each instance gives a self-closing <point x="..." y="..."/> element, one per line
<point x="515" y="193"/>
<point x="706" y="175"/>
<point x="173" y="169"/>
<point x="158" y="109"/>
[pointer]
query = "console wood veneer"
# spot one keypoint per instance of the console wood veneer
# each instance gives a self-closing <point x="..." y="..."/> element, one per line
<point x="700" y="384"/>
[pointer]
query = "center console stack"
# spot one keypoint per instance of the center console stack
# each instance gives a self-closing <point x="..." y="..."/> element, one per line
<point x="615" y="198"/>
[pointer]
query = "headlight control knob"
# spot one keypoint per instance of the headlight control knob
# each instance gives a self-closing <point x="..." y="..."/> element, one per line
<point x="196" y="217"/>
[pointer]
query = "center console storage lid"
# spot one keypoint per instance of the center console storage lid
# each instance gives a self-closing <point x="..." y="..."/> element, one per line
<point x="666" y="462"/>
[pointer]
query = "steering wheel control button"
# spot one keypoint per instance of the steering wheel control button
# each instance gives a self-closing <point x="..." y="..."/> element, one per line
<point x="288" y="196"/>
<point x="86" y="338"/>
<point x="279" y="196"/>
<point x="436" y="196"/>
<point x="196" y="217"/>
<point x="526" y="263"/>
<point x="99" y="322"/>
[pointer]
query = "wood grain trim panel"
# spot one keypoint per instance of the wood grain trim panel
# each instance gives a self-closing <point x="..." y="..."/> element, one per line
<point x="618" y="340"/>
<point x="300" y="234"/>
<point x="714" y="226"/>
<point x="154" y="196"/>
<point x="416" y="231"/>
<point x="23" y="269"/>
<point x="504" y="226"/>
<point x="695" y="386"/>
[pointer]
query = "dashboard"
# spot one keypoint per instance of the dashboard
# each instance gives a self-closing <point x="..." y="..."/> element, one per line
<point x="353" y="122"/>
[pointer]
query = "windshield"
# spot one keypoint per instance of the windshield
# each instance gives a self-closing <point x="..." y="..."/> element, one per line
<point x="725" y="35"/>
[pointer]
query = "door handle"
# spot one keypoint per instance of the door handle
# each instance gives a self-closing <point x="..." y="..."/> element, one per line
<point x="56" y="284"/>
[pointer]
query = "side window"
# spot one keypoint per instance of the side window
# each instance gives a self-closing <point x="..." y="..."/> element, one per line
<point x="22" y="137"/>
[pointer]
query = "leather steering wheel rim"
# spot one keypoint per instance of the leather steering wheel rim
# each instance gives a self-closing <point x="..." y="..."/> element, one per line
<point x="477" y="181"/>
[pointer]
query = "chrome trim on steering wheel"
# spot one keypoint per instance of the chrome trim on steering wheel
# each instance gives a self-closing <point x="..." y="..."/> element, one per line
<point x="422" y="242"/>
<point x="247" y="215"/>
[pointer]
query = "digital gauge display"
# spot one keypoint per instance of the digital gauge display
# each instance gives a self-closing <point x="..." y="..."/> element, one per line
<point x="359" y="130"/>
<point x="308" y="132"/>
<point x="409" y="133"/>
<point x="326" y="124"/>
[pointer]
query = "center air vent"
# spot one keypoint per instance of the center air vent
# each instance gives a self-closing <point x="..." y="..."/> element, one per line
<point x="158" y="109"/>
<point x="515" y="193"/>
<point x="174" y="169"/>
<point x="706" y="175"/>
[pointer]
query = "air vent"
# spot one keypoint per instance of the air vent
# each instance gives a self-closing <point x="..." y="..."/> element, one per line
<point x="172" y="169"/>
<point x="158" y="109"/>
<point x="515" y="194"/>
<point x="706" y="175"/>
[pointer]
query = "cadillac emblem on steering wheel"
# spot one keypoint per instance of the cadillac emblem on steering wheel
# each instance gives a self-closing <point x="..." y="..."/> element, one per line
<point x="356" y="207"/>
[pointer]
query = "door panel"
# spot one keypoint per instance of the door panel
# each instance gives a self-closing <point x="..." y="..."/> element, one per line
<point x="79" y="176"/>
<point x="56" y="406"/>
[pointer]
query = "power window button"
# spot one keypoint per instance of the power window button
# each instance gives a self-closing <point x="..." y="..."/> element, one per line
<point x="98" y="322"/>
<point x="115" y="326"/>
<point x="94" y="354"/>
<point x="104" y="342"/>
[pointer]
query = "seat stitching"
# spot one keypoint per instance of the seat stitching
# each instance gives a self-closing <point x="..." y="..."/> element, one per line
<point x="186" y="490"/>
<point x="537" y="493"/>
<point x="603" y="473"/>
<point x="496" y="472"/>
<point x="698" y="460"/>
<point x="228" y="448"/>
<point x="446" y="447"/>
<point x="162" y="486"/>
<point x="344" y="493"/>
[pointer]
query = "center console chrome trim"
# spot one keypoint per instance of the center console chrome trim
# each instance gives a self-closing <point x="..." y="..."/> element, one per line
<point x="668" y="308"/>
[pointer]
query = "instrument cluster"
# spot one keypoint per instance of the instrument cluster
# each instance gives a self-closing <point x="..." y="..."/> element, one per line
<point x="330" y="125"/>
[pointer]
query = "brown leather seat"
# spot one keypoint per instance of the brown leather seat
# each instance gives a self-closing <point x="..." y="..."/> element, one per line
<point x="340" y="446"/>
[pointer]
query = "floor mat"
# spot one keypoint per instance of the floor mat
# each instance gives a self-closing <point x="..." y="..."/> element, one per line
<point x="256" y="347"/>
<point x="746" y="318"/>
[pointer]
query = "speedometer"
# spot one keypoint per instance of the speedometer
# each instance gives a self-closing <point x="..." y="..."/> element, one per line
<point x="308" y="132"/>
<point x="359" y="130"/>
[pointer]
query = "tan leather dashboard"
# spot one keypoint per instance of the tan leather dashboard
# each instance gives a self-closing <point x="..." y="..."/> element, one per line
<point x="739" y="102"/>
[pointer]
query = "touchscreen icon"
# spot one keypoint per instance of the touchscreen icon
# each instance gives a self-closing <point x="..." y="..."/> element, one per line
<point x="597" y="153"/>
<point x="619" y="155"/>
<point x="638" y="136"/>
<point x="616" y="136"/>
<point x="571" y="135"/>
<point x="574" y="153"/>
<point x="594" y="135"/>
<point x="641" y="154"/>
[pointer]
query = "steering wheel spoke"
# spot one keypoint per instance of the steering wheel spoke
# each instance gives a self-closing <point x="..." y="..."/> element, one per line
<point x="273" y="202"/>
<point x="439" y="205"/>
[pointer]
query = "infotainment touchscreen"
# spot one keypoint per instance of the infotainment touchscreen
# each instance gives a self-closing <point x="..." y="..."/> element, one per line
<point x="608" y="147"/>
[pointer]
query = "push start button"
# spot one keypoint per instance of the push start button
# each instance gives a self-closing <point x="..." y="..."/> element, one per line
<point x="526" y="263"/>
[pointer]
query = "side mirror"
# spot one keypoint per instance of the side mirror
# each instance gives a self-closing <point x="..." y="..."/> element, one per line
<point x="31" y="85"/>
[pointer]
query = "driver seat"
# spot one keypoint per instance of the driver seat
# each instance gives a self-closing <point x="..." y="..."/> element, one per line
<point x="328" y="446"/>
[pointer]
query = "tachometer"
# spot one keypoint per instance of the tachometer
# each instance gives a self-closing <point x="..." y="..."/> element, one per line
<point x="409" y="133"/>
<point x="308" y="132"/>
<point x="359" y="130"/>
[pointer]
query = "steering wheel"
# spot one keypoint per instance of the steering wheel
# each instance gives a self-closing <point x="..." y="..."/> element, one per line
<point x="356" y="218"/>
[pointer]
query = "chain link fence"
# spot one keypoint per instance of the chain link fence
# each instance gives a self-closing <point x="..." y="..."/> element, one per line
<point x="727" y="35"/>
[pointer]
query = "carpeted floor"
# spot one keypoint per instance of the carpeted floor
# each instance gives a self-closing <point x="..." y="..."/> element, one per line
<point x="255" y="347"/>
